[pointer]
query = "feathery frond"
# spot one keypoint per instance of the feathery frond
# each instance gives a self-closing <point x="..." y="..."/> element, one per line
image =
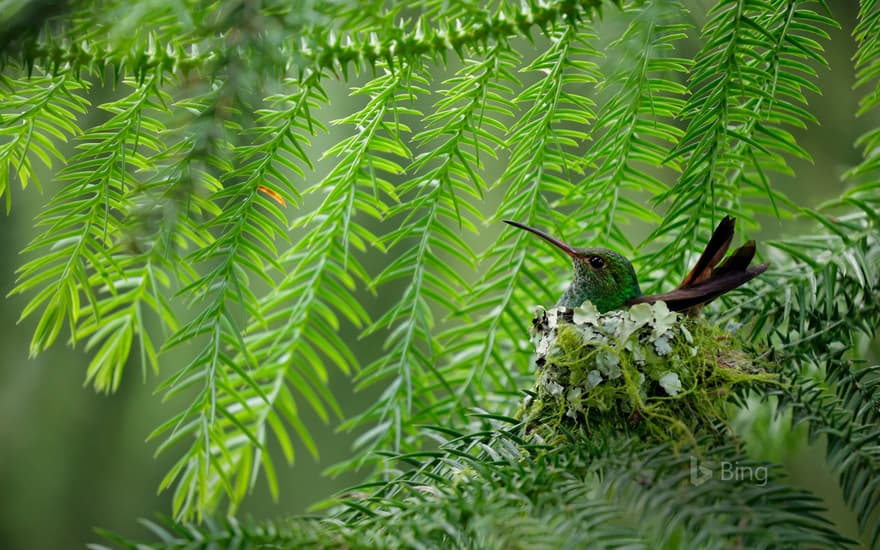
<point x="436" y="203"/>
<point x="542" y="153"/>
<point x="749" y="83"/>
<point x="38" y="113"/>
<point x="86" y="278"/>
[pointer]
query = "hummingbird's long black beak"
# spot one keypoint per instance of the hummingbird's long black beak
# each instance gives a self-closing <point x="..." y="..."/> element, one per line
<point x="552" y="240"/>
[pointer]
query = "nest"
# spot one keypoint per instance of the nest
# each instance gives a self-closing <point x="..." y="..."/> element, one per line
<point x="644" y="368"/>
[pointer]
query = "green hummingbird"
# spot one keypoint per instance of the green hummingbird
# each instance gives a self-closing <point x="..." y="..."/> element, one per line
<point x="608" y="280"/>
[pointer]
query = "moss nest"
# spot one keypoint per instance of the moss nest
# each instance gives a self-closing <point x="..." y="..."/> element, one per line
<point x="645" y="368"/>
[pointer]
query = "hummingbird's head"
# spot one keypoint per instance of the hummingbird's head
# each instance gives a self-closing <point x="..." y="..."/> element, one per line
<point x="601" y="275"/>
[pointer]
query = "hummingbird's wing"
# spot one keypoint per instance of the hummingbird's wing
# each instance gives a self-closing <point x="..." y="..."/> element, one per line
<point x="712" y="254"/>
<point x="726" y="278"/>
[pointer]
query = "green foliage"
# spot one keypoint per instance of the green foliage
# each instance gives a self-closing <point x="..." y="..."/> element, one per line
<point x="499" y="488"/>
<point x="747" y="86"/>
<point x="167" y="235"/>
<point x="80" y="240"/>
<point x="634" y="130"/>
<point x="34" y="111"/>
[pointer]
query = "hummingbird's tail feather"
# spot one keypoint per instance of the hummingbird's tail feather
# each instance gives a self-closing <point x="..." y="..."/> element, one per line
<point x="739" y="260"/>
<point x="691" y="298"/>
<point x="705" y="282"/>
<point x="712" y="254"/>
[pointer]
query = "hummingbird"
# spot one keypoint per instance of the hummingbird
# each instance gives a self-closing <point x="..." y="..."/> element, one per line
<point x="608" y="280"/>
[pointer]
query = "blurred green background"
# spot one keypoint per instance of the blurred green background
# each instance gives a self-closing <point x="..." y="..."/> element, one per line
<point x="72" y="459"/>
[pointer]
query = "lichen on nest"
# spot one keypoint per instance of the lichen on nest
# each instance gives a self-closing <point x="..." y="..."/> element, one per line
<point x="644" y="368"/>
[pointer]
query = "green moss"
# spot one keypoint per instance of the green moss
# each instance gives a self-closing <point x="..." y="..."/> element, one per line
<point x="645" y="369"/>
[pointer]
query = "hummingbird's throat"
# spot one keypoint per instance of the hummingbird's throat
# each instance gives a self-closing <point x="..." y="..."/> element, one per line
<point x="577" y="294"/>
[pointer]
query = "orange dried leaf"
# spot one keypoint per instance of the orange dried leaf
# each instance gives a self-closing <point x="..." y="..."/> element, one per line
<point x="273" y="194"/>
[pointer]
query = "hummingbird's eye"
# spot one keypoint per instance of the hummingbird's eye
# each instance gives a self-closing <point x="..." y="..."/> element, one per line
<point x="596" y="262"/>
